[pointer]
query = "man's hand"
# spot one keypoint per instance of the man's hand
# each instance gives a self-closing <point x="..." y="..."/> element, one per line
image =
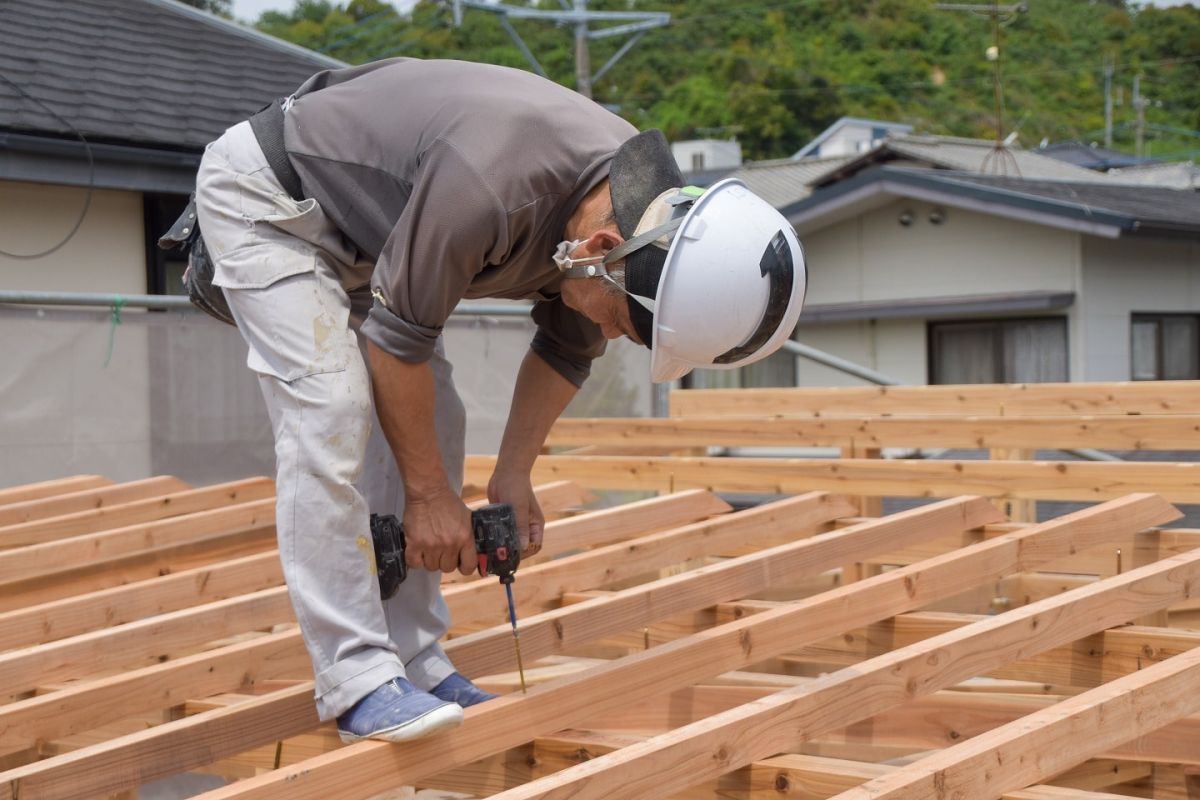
<point x="437" y="533"/>
<point x="517" y="490"/>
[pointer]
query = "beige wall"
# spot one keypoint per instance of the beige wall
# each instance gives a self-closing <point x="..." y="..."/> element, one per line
<point x="65" y="409"/>
<point x="107" y="254"/>
<point x="1123" y="277"/>
<point x="872" y="257"/>
<point x="895" y="348"/>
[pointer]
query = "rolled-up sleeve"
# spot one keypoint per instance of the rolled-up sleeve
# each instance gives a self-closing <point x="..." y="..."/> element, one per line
<point x="566" y="340"/>
<point x="452" y="227"/>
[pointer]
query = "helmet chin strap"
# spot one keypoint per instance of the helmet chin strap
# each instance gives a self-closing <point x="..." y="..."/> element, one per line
<point x="594" y="267"/>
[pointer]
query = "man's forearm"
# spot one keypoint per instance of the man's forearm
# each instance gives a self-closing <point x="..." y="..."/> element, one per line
<point x="540" y="396"/>
<point x="405" y="400"/>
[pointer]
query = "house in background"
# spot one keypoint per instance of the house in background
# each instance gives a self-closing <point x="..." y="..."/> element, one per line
<point x="707" y="155"/>
<point x="147" y="83"/>
<point x="934" y="276"/>
<point x="1125" y="168"/>
<point x="850" y="136"/>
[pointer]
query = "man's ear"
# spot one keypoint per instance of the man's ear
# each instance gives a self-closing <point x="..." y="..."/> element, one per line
<point x="604" y="239"/>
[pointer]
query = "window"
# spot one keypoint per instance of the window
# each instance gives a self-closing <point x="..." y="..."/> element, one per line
<point x="1164" y="347"/>
<point x="998" y="351"/>
<point x="164" y="269"/>
<point x="777" y="369"/>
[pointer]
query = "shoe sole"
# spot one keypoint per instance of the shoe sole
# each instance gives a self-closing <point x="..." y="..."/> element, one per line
<point x="433" y="721"/>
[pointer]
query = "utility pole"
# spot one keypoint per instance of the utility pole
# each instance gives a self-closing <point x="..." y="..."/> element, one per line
<point x="1139" y="107"/>
<point x="583" y="56"/>
<point x="577" y="15"/>
<point x="1108" y="102"/>
<point x="999" y="158"/>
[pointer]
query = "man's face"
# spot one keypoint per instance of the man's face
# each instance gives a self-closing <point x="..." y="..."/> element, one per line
<point x="607" y="309"/>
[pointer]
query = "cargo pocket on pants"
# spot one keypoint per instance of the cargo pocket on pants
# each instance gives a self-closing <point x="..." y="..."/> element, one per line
<point x="295" y="324"/>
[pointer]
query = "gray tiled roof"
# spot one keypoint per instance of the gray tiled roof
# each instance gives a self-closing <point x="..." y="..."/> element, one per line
<point x="1147" y="204"/>
<point x="967" y="155"/>
<point x="1173" y="175"/>
<point x="787" y="180"/>
<point x="146" y="72"/>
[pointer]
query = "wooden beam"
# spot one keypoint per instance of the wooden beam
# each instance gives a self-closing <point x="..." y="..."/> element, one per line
<point x="556" y="497"/>
<point x="796" y="777"/>
<point x="1035" y="480"/>
<point x="49" y="557"/>
<point x="71" y="616"/>
<point x="727" y="741"/>
<point x="1085" y="663"/>
<point x="37" y="491"/>
<point x="557" y="630"/>
<point x="369" y="767"/>
<point x="86" y="499"/>
<point x="1124" y="432"/>
<point x="610" y="525"/>
<point x="541" y="587"/>
<point x="112" y="606"/>
<point x="1036" y="747"/>
<point x="123" y="514"/>
<point x="135" y="643"/>
<point x="28" y="720"/>
<point x="73" y="579"/>
<point x="1023" y="399"/>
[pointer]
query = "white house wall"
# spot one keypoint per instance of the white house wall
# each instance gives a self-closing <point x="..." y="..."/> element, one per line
<point x="893" y="347"/>
<point x="1126" y="276"/>
<point x="873" y="258"/>
<point x="72" y="405"/>
<point x="107" y="254"/>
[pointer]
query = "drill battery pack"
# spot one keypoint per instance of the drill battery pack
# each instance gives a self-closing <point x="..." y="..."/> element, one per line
<point x="387" y="534"/>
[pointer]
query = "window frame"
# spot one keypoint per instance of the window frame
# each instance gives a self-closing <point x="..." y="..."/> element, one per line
<point x="1000" y="323"/>
<point x="1158" y="317"/>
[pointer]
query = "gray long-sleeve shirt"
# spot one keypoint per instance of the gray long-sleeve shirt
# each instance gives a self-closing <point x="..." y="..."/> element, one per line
<point x="457" y="179"/>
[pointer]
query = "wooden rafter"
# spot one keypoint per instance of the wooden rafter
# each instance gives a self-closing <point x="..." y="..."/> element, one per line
<point x="674" y="648"/>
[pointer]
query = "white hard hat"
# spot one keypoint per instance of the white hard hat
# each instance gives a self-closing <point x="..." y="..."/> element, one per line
<point x="714" y="278"/>
<point x="732" y="285"/>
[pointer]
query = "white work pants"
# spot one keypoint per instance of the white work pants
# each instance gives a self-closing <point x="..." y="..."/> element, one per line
<point x="290" y="279"/>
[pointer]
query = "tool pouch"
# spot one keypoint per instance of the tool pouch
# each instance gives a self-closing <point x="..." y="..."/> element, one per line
<point x="185" y="234"/>
<point x="387" y="535"/>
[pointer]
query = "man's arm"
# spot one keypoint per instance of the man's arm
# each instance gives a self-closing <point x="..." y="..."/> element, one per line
<point x="437" y="524"/>
<point x="539" y="398"/>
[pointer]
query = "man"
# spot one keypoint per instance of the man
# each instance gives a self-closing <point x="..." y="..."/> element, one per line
<point x="409" y="186"/>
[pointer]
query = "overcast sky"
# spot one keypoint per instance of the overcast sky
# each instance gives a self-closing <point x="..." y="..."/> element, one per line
<point x="250" y="9"/>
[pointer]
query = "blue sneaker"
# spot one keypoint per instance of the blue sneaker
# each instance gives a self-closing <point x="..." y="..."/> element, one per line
<point x="457" y="689"/>
<point x="397" y="712"/>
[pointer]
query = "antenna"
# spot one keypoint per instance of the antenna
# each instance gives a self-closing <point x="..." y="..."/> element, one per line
<point x="577" y="15"/>
<point x="998" y="159"/>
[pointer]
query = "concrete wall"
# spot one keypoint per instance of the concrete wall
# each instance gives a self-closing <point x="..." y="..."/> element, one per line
<point x="872" y="257"/>
<point x="107" y="254"/>
<point x="1123" y="277"/>
<point x="70" y="405"/>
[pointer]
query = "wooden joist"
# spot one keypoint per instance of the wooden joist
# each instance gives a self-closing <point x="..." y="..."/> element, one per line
<point x="655" y="668"/>
<point x="1024" y="399"/>
<point x="369" y="767"/>
<point x="1118" y="432"/>
<point x="1036" y="747"/>
<point x="87" y="499"/>
<point x="1034" y="480"/>
<point x="733" y="739"/>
